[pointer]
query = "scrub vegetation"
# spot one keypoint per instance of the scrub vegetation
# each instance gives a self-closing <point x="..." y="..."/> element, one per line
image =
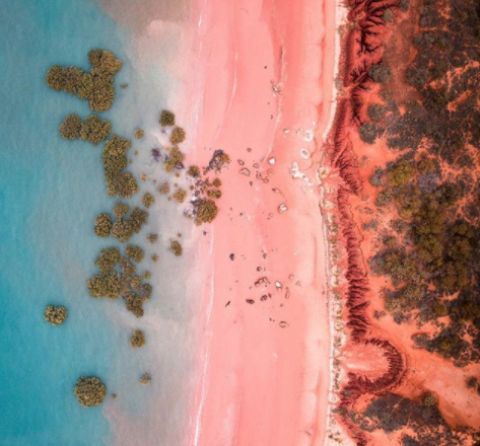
<point x="433" y="185"/>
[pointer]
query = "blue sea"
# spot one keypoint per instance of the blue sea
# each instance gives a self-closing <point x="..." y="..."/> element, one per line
<point x="50" y="192"/>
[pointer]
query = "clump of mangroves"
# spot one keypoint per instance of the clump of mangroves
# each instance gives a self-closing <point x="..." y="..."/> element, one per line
<point x="124" y="224"/>
<point x="137" y="338"/>
<point x="55" y="314"/>
<point x="433" y="187"/>
<point x="92" y="129"/>
<point x="95" y="86"/>
<point x="116" y="276"/>
<point x="90" y="391"/>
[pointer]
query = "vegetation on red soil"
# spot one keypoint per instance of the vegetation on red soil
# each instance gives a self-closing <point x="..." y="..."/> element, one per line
<point x="411" y="75"/>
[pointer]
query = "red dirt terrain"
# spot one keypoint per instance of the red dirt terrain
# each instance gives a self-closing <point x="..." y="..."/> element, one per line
<point x="405" y="145"/>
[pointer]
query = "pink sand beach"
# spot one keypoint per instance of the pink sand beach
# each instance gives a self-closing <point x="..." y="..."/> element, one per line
<point x="259" y="85"/>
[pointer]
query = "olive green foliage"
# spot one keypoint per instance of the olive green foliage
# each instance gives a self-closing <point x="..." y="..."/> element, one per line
<point x="177" y="136"/>
<point x="193" y="171"/>
<point x="119" y="181"/>
<point x="167" y="118"/>
<point x="103" y="225"/>
<point x="123" y="228"/>
<point x="135" y="252"/>
<point x="205" y="211"/>
<point x="105" y="284"/>
<point x="121" y="209"/>
<point x="145" y="378"/>
<point x="420" y="417"/>
<point x="432" y="263"/>
<point x="71" y="126"/>
<point x="117" y="277"/>
<point x="95" y="86"/>
<point x="148" y="199"/>
<point x="107" y="259"/>
<point x="392" y="412"/>
<point x="90" y="391"/>
<point x="176" y="247"/>
<point x="442" y="250"/>
<point x="174" y="159"/>
<point x="137" y="338"/>
<point x="55" y="314"/>
<point x="92" y="129"/>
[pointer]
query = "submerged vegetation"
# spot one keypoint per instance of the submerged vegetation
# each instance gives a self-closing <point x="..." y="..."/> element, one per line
<point x="148" y="199"/>
<point x="137" y="339"/>
<point x="116" y="276"/>
<point x="120" y="182"/>
<point x="205" y="211"/>
<point x="95" y="85"/>
<point x="176" y="247"/>
<point x="123" y="225"/>
<point x="90" y="391"/>
<point x="55" y="314"/>
<point x="167" y="118"/>
<point x="146" y="378"/>
<point x="93" y="129"/>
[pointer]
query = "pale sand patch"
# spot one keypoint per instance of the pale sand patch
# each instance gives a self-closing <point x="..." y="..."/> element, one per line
<point x="136" y="15"/>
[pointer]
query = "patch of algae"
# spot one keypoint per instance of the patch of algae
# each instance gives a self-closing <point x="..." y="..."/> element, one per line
<point x="90" y="391"/>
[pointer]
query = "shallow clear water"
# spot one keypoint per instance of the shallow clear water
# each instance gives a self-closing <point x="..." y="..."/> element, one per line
<point x="50" y="192"/>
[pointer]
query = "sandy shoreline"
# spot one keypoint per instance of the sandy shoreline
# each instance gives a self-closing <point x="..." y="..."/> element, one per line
<point x="257" y="81"/>
<point x="263" y="368"/>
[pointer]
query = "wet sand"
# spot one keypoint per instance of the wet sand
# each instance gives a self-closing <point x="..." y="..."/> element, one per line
<point x="260" y="87"/>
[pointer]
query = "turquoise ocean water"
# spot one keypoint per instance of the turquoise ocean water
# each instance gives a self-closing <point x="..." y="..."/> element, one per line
<point x="50" y="192"/>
